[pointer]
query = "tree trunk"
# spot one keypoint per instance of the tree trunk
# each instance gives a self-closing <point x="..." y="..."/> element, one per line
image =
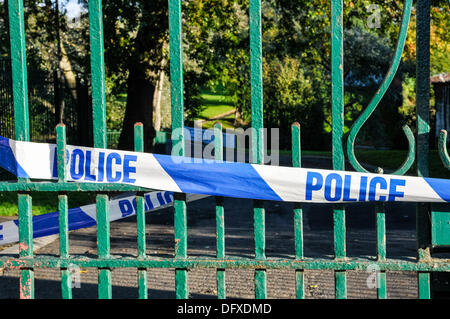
<point x="157" y="102"/>
<point x="139" y="108"/>
<point x="69" y="75"/>
<point x="144" y="67"/>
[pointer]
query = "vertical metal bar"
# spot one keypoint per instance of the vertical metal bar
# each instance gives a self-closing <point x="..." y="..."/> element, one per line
<point x="176" y="88"/>
<point x="103" y="246"/>
<point x="337" y="85"/>
<point x="180" y="226"/>
<point x="26" y="245"/>
<point x="381" y="248"/>
<point x="423" y="131"/>
<point x="381" y="245"/>
<point x="22" y="133"/>
<point x="19" y="70"/>
<point x="66" y="278"/>
<point x="220" y="215"/>
<point x="337" y="91"/>
<point x="298" y="212"/>
<point x="424" y="285"/>
<point x="140" y="217"/>
<point x="100" y="139"/>
<point x="256" y="82"/>
<point x="66" y="281"/>
<point x="98" y="73"/>
<point x="257" y="146"/>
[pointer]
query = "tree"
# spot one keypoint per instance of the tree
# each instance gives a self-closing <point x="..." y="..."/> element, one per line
<point x="136" y="51"/>
<point x="135" y="33"/>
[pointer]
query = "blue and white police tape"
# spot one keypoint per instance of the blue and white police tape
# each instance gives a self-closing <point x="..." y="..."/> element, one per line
<point x="206" y="136"/>
<point x="85" y="216"/>
<point x="209" y="177"/>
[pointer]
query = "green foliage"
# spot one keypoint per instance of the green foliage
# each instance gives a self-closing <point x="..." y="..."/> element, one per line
<point x="296" y="48"/>
<point x="288" y="95"/>
<point x="216" y="36"/>
<point x="407" y="110"/>
<point x="115" y="107"/>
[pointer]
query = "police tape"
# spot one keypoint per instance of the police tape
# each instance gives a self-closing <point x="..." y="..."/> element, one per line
<point x="85" y="216"/>
<point x="210" y="177"/>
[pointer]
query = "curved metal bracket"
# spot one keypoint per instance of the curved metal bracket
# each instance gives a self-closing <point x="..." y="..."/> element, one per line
<point x="443" y="154"/>
<point x="377" y="98"/>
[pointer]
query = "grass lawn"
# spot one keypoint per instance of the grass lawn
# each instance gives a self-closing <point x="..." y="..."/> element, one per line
<point x="43" y="202"/>
<point x="216" y="103"/>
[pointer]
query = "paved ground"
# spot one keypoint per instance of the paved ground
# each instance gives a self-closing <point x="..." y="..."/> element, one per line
<point x="318" y="242"/>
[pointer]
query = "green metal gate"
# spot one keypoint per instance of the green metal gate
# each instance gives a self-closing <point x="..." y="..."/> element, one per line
<point x="424" y="265"/>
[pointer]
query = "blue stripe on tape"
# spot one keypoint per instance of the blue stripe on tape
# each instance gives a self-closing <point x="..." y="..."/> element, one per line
<point x="149" y="202"/>
<point x="48" y="224"/>
<point x="8" y="161"/>
<point x="200" y="176"/>
<point x="160" y="199"/>
<point x="207" y="136"/>
<point x="168" y="196"/>
<point x="440" y="186"/>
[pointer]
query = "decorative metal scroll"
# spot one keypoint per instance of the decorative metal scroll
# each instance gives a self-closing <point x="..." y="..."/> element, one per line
<point x="377" y="98"/>
<point x="443" y="149"/>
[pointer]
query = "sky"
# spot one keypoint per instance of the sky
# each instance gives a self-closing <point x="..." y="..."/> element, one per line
<point x="73" y="8"/>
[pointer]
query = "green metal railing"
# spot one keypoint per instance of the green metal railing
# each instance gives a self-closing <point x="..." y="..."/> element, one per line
<point x="181" y="262"/>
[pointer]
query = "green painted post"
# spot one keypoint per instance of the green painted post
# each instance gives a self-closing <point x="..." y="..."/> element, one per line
<point x="381" y="244"/>
<point x="103" y="246"/>
<point x="66" y="281"/>
<point x="424" y="285"/>
<point x="180" y="227"/>
<point x="256" y="82"/>
<point x="140" y="217"/>
<point x="22" y="133"/>
<point x="176" y="88"/>
<point x="337" y="85"/>
<point x="19" y="70"/>
<point x="26" y="245"/>
<point x="298" y="212"/>
<point x="98" y="72"/>
<point x="66" y="278"/>
<point x="220" y="215"/>
<point x="381" y="248"/>
<point x="337" y="92"/>
<point x="257" y="146"/>
<point x="100" y="139"/>
<point x="423" y="131"/>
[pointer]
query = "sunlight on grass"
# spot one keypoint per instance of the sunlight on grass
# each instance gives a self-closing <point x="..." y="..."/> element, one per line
<point x="215" y="103"/>
<point x="43" y="202"/>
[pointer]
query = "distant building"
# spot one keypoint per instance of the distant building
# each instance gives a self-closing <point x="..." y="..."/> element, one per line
<point x="441" y="86"/>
